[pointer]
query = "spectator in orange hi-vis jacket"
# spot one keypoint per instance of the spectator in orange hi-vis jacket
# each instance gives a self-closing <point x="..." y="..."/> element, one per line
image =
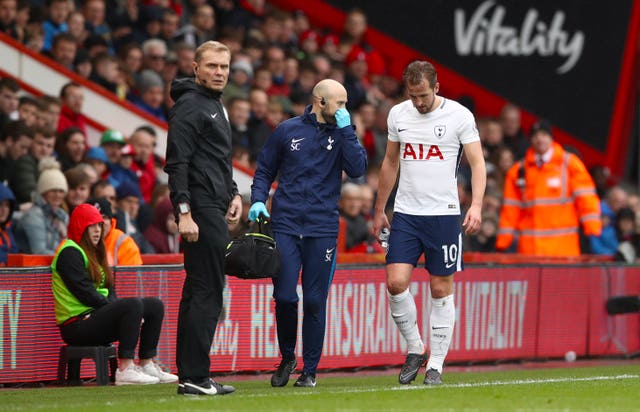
<point x="122" y="250"/>
<point x="547" y="195"/>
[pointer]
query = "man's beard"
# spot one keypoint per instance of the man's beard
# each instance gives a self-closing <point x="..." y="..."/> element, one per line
<point x="329" y="118"/>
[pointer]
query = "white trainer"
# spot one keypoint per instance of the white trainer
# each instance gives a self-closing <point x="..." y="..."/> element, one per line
<point x="134" y="376"/>
<point x="152" y="369"/>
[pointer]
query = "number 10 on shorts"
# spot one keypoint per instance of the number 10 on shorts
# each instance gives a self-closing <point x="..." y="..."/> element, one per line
<point x="450" y="255"/>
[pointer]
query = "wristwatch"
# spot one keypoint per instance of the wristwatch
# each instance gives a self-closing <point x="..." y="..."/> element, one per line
<point x="183" y="208"/>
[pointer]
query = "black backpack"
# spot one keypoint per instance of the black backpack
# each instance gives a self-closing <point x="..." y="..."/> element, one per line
<point x="253" y="255"/>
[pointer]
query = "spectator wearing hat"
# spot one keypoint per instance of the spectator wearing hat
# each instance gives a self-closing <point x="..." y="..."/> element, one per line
<point x="163" y="233"/>
<point x="128" y="199"/>
<point x="309" y="43"/>
<point x="44" y="225"/>
<point x="607" y="242"/>
<point x="112" y="141"/>
<point x="7" y="206"/>
<point x="79" y="186"/>
<point x="551" y="173"/>
<point x="97" y="158"/>
<point x="121" y="248"/>
<point x="240" y="78"/>
<point x="87" y="310"/>
<point x="329" y="45"/>
<point x="355" y="80"/>
<point x="150" y="97"/>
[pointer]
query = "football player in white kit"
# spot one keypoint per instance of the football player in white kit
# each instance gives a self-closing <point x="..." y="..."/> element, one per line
<point x="427" y="136"/>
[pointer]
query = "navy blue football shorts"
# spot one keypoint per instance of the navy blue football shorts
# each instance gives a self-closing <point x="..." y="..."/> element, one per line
<point x="438" y="237"/>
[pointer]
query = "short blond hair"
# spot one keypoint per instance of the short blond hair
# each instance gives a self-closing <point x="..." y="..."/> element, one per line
<point x="211" y="45"/>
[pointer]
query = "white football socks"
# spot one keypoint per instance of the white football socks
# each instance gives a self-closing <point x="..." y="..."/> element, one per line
<point x="442" y="320"/>
<point x="405" y="314"/>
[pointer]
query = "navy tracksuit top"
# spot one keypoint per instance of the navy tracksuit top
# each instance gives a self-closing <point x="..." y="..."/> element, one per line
<point x="307" y="158"/>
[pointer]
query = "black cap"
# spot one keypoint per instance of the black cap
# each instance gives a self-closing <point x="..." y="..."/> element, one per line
<point x="541" y="125"/>
<point x="103" y="205"/>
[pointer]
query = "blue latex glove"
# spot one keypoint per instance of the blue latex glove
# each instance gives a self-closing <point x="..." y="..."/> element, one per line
<point x="257" y="209"/>
<point x="342" y="118"/>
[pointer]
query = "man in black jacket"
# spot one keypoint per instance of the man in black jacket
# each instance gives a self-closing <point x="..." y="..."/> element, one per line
<point x="205" y="199"/>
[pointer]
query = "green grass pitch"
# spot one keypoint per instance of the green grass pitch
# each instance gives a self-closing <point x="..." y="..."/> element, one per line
<point x="579" y="388"/>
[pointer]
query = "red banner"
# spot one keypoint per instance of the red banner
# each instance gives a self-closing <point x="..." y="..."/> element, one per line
<point x="506" y="312"/>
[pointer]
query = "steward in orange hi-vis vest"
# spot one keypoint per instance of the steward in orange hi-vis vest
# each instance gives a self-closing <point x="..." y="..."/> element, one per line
<point x="547" y="195"/>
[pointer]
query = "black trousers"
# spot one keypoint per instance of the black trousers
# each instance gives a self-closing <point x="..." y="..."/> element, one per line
<point x="201" y="301"/>
<point x="120" y="321"/>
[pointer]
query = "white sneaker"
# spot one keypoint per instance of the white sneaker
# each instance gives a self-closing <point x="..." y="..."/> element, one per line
<point x="152" y="369"/>
<point x="134" y="376"/>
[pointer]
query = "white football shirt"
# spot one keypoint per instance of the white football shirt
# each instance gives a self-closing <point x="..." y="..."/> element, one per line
<point x="430" y="153"/>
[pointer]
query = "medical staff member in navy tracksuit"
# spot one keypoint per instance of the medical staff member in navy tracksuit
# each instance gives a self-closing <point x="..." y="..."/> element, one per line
<point x="308" y="154"/>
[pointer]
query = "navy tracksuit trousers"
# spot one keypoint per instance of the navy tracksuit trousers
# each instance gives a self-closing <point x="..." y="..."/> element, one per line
<point x="316" y="256"/>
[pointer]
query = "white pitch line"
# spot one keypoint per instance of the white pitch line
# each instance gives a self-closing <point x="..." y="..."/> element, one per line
<point x="445" y="385"/>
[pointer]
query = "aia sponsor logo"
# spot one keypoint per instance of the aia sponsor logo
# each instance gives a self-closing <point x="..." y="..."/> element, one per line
<point x="419" y="151"/>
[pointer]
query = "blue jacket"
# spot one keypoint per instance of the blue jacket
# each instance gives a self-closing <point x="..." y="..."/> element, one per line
<point x="308" y="158"/>
<point x="607" y="242"/>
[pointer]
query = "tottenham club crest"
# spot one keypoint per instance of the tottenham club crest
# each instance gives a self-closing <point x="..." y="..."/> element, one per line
<point x="440" y="131"/>
<point x="330" y="146"/>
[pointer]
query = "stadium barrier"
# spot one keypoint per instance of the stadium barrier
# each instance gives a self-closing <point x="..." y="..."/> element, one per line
<point x="504" y="312"/>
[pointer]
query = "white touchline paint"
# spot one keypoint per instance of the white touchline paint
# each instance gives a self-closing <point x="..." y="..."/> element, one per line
<point x="445" y="385"/>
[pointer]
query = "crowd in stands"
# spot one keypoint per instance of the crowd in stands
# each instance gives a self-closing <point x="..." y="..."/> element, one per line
<point x="134" y="49"/>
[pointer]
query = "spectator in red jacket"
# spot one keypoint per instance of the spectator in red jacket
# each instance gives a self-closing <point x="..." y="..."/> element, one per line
<point x="143" y="163"/>
<point x="72" y="98"/>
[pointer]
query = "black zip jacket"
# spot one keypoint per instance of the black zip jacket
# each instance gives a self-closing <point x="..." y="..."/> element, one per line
<point x="198" y="159"/>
